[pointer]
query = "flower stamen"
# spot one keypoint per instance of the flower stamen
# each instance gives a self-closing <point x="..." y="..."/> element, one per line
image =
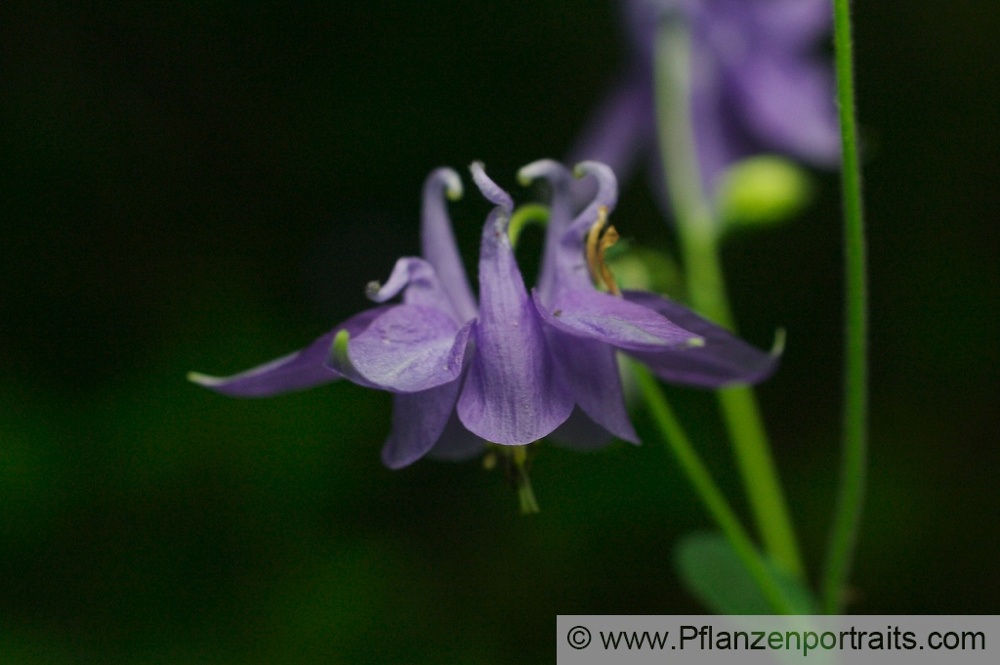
<point x="597" y="245"/>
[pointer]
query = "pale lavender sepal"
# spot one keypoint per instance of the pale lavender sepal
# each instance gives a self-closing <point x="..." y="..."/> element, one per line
<point x="590" y="369"/>
<point x="614" y="321"/>
<point x="511" y="395"/>
<point x="438" y="244"/>
<point x="723" y="360"/>
<point x="410" y="348"/>
<point x="587" y="367"/>
<point x="418" y="421"/>
<point x="296" y="371"/>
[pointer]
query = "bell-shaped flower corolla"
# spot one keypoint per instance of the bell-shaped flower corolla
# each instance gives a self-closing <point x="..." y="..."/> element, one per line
<point x="758" y="85"/>
<point x="461" y="374"/>
<point x="515" y="367"/>
<point x="586" y="327"/>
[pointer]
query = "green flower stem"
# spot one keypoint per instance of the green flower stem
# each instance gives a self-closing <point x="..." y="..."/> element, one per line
<point x="853" y="469"/>
<point x="525" y="494"/>
<point x="698" y="233"/>
<point x="710" y="494"/>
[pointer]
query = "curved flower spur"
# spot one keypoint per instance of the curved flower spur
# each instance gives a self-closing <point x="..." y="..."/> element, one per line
<point x="587" y="326"/>
<point x="517" y="367"/>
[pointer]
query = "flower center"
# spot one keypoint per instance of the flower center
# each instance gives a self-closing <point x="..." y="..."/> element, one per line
<point x="597" y="245"/>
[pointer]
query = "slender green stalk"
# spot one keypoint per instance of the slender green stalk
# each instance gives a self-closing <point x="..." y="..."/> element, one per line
<point x="710" y="494"/>
<point x="847" y="518"/>
<point x="698" y="233"/>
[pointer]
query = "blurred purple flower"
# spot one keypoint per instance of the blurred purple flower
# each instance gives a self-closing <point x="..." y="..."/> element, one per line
<point x="518" y="367"/>
<point x="758" y="85"/>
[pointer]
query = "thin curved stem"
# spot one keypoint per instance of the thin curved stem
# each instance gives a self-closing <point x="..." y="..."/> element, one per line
<point x="843" y="537"/>
<point x="709" y="493"/>
<point x="698" y="233"/>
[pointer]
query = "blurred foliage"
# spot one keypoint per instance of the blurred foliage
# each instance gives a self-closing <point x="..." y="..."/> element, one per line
<point x="207" y="185"/>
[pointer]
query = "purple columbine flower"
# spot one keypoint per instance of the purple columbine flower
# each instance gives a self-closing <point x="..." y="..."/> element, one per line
<point x="758" y="85"/>
<point x="586" y="328"/>
<point x="516" y="367"/>
<point x="461" y="374"/>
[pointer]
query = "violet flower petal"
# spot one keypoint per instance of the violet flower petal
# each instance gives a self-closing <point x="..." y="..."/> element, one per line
<point x="512" y="394"/>
<point x="296" y="371"/>
<point x="723" y="360"/>
<point x="438" y="244"/>
<point x="410" y="348"/>
<point x="620" y="323"/>
<point x="590" y="369"/>
<point x="418" y="420"/>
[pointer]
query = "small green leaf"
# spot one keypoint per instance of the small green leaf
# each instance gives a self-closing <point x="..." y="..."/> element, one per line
<point x="714" y="574"/>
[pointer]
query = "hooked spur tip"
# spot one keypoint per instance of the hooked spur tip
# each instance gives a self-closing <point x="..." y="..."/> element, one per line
<point x="542" y="168"/>
<point x="452" y="185"/>
<point x="607" y="183"/>
<point x="451" y="181"/>
<point x="598" y="169"/>
<point x="489" y="189"/>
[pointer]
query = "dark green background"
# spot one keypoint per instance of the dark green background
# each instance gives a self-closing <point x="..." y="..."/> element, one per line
<point x="208" y="185"/>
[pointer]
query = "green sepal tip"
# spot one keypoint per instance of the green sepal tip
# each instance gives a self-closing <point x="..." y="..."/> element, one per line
<point x="339" y="358"/>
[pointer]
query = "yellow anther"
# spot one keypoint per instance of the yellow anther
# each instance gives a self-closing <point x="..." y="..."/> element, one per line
<point x="597" y="245"/>
<point x="592" y="236"/>
<point x="609" y="238"/>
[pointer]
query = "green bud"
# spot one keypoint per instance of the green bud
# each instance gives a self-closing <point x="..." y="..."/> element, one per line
<point x="761" y="191"/>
